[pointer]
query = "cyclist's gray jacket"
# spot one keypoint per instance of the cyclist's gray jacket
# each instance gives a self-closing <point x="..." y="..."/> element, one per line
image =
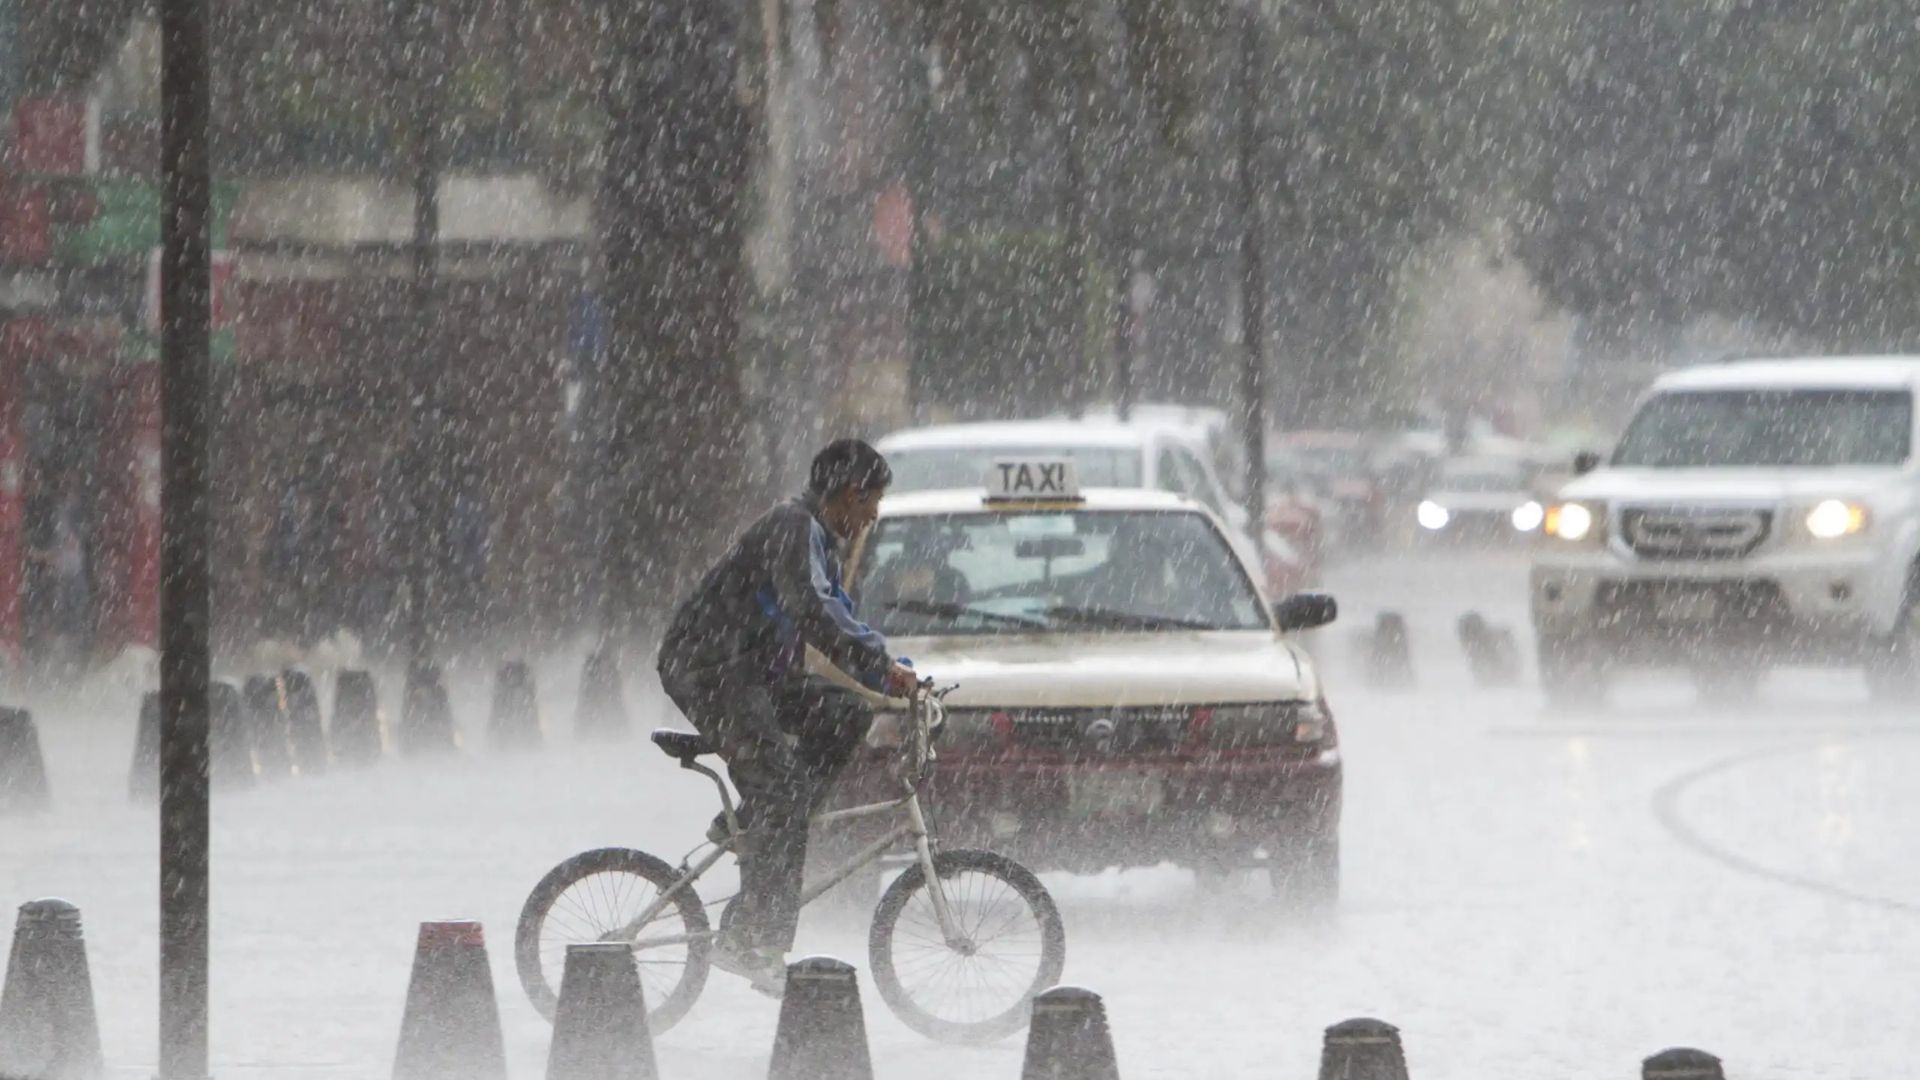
<point x="777" y="590"/>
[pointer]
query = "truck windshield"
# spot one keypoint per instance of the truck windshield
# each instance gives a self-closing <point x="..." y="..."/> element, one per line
<point x="1039" y="572"/>
<point x="1805" y="428"/>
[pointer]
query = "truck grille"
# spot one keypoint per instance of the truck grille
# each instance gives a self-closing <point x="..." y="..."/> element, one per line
<point x="1694" y="532"/>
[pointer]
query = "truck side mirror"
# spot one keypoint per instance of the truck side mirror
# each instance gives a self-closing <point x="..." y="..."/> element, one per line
<point x="1585" y="462"/>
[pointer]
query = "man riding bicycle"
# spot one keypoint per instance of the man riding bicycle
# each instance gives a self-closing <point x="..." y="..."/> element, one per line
<point x="734" y="660"/>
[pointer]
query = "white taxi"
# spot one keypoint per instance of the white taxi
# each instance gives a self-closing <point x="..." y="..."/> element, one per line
<point x="1125" y="694"/>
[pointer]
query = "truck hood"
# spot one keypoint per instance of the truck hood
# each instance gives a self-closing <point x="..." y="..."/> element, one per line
<point x="1748" y="486"/>
<point x="1114" y="670"/>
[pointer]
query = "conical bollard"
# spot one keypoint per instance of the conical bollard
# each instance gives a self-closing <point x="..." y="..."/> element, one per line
<point x="603" y="708"/>
<point x="515" y="720"/>
<point x="600" y="1026"/>
<point x="1682" y="1063"/>
<point x="48" y="1027"/>
<point x="143" y="779"/>
<point x="1069" y="1038"/>
<point x="267" y="723"/>
<point x="1492" y="655"/>
<point x="1362" y="1049"/>
<point x="1389" y="653"/>
<point x="426" y="714"/>
<point x="357" y="720"/>
<point x="823" y="1033"/>
<point x="451" y="1030"/>
<point x="230" y="741"/>
<point x="23" y="769"/>
<point x="305" y="733"/>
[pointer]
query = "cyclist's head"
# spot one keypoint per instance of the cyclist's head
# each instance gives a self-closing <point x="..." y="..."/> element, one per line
<point x="848" y="478"/>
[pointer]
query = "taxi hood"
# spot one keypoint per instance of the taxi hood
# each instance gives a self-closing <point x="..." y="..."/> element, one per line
<point x="1116" y="670"/>
<point x="1730" y="485"/>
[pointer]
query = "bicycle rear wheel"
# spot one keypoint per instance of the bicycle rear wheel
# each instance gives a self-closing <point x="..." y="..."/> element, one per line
<point x="597" y="896"/>
<point x="980" y="988"/>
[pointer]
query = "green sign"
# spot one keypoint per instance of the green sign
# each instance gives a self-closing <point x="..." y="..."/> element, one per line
<point x="128" y="223"/>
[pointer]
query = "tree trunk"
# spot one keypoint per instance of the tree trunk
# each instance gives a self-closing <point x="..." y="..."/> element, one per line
<point x="676" y="170"/>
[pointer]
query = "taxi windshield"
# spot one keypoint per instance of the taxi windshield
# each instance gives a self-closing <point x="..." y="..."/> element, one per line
<point x="935" y="468"/>
<point x="1053" y="571"/>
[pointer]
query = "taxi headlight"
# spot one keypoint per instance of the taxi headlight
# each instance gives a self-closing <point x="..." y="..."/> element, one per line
<point x="1527" y="516"/>
<point x="1279" y="723"/>
<point x="1834" y="518"/>
<point x="1572" y="521"/>
<point x="1432" y="516"/>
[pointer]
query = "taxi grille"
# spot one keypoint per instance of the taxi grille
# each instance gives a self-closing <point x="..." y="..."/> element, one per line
<point x="1120" y="731"/>
<point x="1679" y="532"/>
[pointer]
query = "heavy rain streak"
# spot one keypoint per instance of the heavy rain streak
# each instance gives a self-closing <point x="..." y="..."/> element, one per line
<point x="959" y="539"/>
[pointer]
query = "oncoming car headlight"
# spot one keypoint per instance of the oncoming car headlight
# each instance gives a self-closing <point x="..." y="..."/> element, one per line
<point x="1270" y="724"/>
<point x="1572" y="521"/>
<point x="1528" y="516"/>
<point x="1432" y="516"/>
<point x="1835" y="518"/>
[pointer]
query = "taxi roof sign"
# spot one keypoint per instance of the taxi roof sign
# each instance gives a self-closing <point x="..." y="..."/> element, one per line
<point x="1051" y="479"/>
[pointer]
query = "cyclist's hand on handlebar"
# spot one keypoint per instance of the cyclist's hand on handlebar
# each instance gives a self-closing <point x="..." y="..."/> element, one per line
<point x="901" y="680"/>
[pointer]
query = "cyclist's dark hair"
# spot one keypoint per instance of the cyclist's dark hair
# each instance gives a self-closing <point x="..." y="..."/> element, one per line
<point x="848" y="463"/>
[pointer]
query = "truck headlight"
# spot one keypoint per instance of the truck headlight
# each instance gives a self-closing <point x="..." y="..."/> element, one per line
<point x="1571" y="521"/>
<point x="1835" y="518"/>
<point x="1527" y="516"/>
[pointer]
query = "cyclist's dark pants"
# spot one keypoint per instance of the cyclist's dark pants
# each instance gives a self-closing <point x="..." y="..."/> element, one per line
<point x="782" y="782"/>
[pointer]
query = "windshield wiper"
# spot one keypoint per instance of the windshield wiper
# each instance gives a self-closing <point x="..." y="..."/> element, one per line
<point x="961" y="611"/>
<point x="1122" y="619"/>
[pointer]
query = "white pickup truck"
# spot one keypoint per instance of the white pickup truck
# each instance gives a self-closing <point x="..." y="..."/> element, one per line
<point x="1753" y="513"/>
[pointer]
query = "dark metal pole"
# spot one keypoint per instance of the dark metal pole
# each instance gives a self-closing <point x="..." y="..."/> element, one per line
<point x="1253" y="295"/>
<point x="423" y="70"/>
<point x="920" y="103"/>
<point x="1076" y="247"/>
<point x="185" y="651"/>
<point x="1126" y="329"/>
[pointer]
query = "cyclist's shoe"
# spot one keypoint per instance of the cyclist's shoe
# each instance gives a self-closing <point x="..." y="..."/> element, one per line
<point x="765" y="967"/>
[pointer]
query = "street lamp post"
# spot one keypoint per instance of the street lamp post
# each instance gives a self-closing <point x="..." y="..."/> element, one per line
<point x="185" y="650"/>
<point x="1253" y="285"/>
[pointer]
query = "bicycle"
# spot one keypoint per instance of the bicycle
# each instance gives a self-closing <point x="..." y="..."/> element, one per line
<point x="928" y="947"/>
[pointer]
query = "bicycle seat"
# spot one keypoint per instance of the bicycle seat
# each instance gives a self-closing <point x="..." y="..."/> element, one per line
<point x="684" y="745"/>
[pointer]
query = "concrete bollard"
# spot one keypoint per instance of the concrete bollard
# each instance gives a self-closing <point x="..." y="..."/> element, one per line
<point x="229" y="741"/>
<point x="426" y="714"/>
<point x="143" y="779"/>
<point x="603" y="707"/>
<point x="305" y="733"/>
<point x="1389" y="653"/>
<point x="267" y="724"/>
<point x="1069" y="1038"/>
<point x="1492" y="654"/>
<point x="1362" y="1049"/>
<point x="515" y="720"/>
<point x="48" y="1026"/>
<point x="600" y="1025"/>
<point x="1682" y="1063"/>
<point x="823" y="1032"/>
<point x="23" y="769"/>
<point x="451" y="1029"/>
<point x="357" y="720"/>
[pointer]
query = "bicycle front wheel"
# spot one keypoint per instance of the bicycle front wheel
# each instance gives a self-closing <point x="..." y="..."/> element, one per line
<point x="600" y="896"/>
<point x="1008" y="947"/>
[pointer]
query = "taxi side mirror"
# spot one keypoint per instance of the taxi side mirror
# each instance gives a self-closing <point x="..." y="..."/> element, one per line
<point x="1306" y="611"/>
<point x="1585" y="462"/>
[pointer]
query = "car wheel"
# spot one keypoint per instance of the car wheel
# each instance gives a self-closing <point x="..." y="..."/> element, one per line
<point x="1570" y="673"/>
<point x="1306" y="875"/>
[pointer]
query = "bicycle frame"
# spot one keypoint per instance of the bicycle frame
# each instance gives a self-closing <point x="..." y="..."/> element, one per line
<point x="914" y="826"/>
